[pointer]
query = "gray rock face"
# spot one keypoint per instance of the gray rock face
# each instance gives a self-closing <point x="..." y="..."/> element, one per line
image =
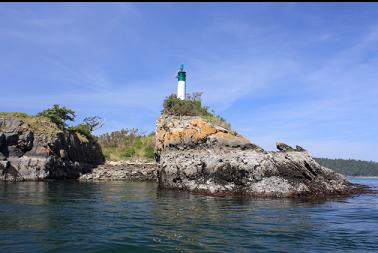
<point x="32" y="151"/>
<point x="222" y="170"/>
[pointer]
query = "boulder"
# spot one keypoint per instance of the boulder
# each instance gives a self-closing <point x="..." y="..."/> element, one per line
<point x="196" y="155"/>
<point x="283" y="147"/>
<point x="299" y="148"/>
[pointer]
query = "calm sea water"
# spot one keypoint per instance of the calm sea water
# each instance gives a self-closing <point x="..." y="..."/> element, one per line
<point x="70" y="216"/>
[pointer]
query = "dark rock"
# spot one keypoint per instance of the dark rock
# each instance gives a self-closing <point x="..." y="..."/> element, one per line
<point x="25" y="141"/>
<point x="2" y="140"/>
<point x="11" y="138"/>
<point x="3" y="147"/>
<point x="299" y="148"/>
<point x="283" y="147"/>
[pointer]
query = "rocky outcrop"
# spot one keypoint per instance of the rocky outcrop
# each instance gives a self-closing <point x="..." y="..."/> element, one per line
<point x="123" y="170"/>
<point x="182" y="132"/>
<point x="197" y="156"/>
<point x="283" y="147"/>
<point x="33" y="148"/>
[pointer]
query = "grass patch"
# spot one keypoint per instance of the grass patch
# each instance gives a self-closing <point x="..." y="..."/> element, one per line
<point x="43" y="125"/>
<point x="15" y="114"/>
<point x="37" y="123"/>
<point x="219" y="121"/>
<point x="127" y="144"/>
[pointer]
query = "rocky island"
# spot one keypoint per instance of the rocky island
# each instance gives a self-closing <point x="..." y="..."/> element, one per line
<point x="198" y="155"/>
<point x="34" y="148"/>
<point x="195" y="151"/>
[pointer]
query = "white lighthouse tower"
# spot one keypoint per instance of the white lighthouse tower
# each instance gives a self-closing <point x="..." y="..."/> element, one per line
<point x="181" y="84"/>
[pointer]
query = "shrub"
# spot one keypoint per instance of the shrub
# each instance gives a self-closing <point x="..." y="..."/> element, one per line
<point x="58" y="115"/>
<point x="192" y="106"/>
<point x="82" y="129"/>
<point x="93" y="123"/>
<point x="128" y="152"/>
<point x="174" y="106"/>
<point x="149" y="152"/>
<point x="127" y="144"/>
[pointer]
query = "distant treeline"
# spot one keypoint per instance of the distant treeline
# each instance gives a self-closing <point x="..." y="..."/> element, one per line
<point x="350" y="167"/>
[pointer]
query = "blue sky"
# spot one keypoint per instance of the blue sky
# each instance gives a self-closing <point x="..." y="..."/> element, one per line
<point x="304" y="74"/>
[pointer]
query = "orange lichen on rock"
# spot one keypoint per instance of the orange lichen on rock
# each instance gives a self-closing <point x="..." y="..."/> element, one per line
<point x="189" y="131"/>
<point x="177" y="136"/>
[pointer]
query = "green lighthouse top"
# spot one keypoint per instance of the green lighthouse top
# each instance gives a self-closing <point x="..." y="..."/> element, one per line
<point x="181" y="74"/>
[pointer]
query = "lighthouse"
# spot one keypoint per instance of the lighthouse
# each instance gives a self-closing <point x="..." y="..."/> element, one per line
<point x="181" y="84"/>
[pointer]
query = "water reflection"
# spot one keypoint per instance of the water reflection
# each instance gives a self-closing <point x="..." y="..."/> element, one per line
<point x="119" y="216"/>
<point x="189" y="216"/>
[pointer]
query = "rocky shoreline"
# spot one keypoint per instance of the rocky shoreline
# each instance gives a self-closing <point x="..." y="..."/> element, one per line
<point x="122" y="170"/>
<point x="192" y="154"/>
<point x="34" y="149"/>
<point x="197" y="156"/>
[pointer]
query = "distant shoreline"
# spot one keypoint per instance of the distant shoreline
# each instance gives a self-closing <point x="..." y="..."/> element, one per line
<point x="350" y="167"/>
<point x="364" y="176"/>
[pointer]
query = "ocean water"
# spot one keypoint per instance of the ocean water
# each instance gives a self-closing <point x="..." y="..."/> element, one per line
<point x="70" y="216"/>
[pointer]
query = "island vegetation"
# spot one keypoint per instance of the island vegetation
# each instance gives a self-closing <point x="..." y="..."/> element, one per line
<point x="192" y="106"/>
<point x="350" y="167"/>
<point x="127" y="144"/>
<point x="56" y="118"/>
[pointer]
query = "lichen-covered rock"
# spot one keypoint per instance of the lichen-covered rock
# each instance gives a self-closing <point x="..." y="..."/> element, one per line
<point x="32" y="149"/>
<point x="189" y="131"/>
<point x="193" y="157"/>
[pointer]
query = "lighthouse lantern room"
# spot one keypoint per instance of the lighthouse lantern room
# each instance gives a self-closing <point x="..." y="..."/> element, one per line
<point x="181" y="84"/>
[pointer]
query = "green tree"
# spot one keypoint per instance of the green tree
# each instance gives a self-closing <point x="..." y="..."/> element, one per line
<point x="58" y="115"/>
